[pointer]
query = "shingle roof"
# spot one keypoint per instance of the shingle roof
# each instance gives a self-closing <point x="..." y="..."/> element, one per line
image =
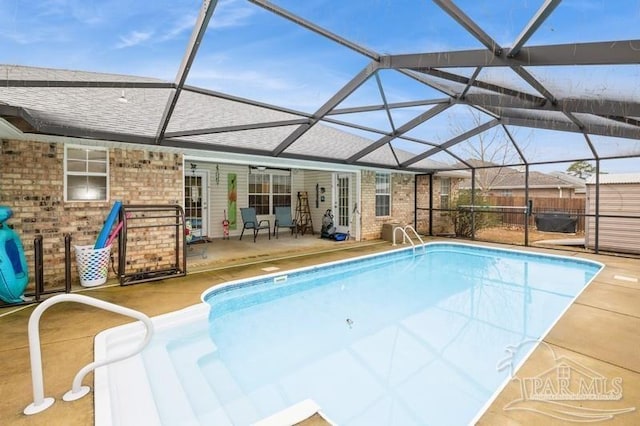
<point x="20" y="72"/>
<point x="131" y="108"/>
<point x="109" y="112"/>
<point x="510" y="178"/>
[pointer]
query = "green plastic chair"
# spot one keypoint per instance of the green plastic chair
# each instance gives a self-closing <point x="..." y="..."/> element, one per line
<point x="283" y="220"/>
<point x="251" y="222"/>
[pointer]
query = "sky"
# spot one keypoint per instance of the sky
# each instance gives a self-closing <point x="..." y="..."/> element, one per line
<point x="250" y="52"/>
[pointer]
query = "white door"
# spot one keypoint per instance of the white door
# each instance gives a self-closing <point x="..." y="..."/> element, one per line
<point x="341" y="201"/>
<point x="195" y="202"/>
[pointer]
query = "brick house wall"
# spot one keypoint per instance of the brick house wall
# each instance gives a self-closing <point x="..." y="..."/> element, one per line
<point x="401" y="203"/>
<point x="32" y="185"/>
<point x="422" y="183"/>
<point x="442" y="223"/>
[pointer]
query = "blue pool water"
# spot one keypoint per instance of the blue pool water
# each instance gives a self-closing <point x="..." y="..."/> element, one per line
<point x="385" y="340"/>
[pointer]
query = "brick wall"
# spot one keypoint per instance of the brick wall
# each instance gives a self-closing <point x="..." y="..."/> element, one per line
<point x="32" y="185"/>
<point x="422" y="183"/>
<point x="442" y="222"/>
<point x="401" y="203"/>
<point x="145" y="177"/>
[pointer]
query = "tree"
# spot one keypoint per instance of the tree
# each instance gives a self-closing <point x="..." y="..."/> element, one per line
<point x="581" y="169"/>
<point x="490" y="151"/>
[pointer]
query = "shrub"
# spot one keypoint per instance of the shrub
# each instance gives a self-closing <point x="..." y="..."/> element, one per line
<point x="463" y="218"/>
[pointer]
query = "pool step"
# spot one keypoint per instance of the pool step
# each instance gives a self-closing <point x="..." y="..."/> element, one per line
<point x="204" y="401"/>
<point x="173" y="406"/>
<point x="160" y="389"/>
<point x="229" y="392"/>
<point x="241" y="407"/>
<point x="211" y="395"/>
<point x="137" y="401"/>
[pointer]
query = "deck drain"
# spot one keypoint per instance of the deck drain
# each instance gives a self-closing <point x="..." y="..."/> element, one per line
<point x="271" y="269"/>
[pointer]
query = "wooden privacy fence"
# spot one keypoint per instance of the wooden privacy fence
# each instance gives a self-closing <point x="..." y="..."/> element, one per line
<point x="571" y="206"/>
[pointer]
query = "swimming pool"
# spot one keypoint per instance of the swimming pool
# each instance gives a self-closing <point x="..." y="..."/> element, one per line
<point x="384" y="339"/>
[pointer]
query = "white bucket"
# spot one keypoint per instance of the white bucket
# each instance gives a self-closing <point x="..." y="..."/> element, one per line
<point x="93" y="265"/>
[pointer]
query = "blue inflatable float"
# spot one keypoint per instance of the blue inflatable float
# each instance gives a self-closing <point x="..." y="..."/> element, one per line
<point x="14" y="275"/>
<point x="101" y="242"/>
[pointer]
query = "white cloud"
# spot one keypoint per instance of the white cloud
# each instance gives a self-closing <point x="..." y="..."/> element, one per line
<point x="29" y="37"/>
<point x="183" y="24"/>
<point x="222" y="77"/>
<point x="290" y="90"/>
<point x="133" y="38"/>
<point x="230" y="14"/>
<point x="51" y="7"/>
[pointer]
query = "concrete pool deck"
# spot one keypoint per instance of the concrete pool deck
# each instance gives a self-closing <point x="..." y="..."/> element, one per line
<point x="600" y="332"/>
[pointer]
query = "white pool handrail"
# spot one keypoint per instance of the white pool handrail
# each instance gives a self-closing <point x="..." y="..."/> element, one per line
<point x="40" y="403"/>
<point x="411" y="228"/>
<point x="406" y="237"/>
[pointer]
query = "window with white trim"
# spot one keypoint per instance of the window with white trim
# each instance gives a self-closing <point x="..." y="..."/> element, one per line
<point x="86" y="173"/>
<point x="383" y="194"/>
<point x="281" y="193"/>
<point x="269" y="190"/>
<point x="445" y="192"/>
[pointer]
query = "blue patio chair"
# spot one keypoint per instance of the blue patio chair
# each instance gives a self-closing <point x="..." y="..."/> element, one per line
<point x="251" y="222"/>
<point x="283" y="220"/>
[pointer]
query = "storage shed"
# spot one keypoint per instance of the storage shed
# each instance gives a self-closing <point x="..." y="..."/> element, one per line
<point x="619" y="202"/>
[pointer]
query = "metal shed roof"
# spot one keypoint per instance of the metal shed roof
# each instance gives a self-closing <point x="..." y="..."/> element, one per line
<point x="615" y="178"/>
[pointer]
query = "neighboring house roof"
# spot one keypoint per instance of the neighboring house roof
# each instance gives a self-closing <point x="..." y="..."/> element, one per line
<point x="614" y="178"/>
<point x="129" y="108"/>
<point x="510" y="178"/>
<point x="456" y="174"/>
<point x="578" y="183"/>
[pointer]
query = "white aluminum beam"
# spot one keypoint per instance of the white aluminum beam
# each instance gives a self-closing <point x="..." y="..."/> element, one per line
<point x="445" y="75"/>
<point x="603" y="107"/>
<point x="471" y="81"/>
<point x="342" y="94"/>
<point x="454" y="141"/>
<point x="206" y="11"/>
<point x="543" y="13"/>
<point x="622" y="52"/>
<point x="394" y="105"/>
<point x="568" y="126"/>
<point x="215" y="94"/>
<point x="514" y="143"/>
<point x="401" y="130"/>
<point x="526" y="76"/>
<point x="315" y="28"/>
<point x="236" y="128"/>
<point x="89" y="84"/>
<point x="469" y="24"/>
